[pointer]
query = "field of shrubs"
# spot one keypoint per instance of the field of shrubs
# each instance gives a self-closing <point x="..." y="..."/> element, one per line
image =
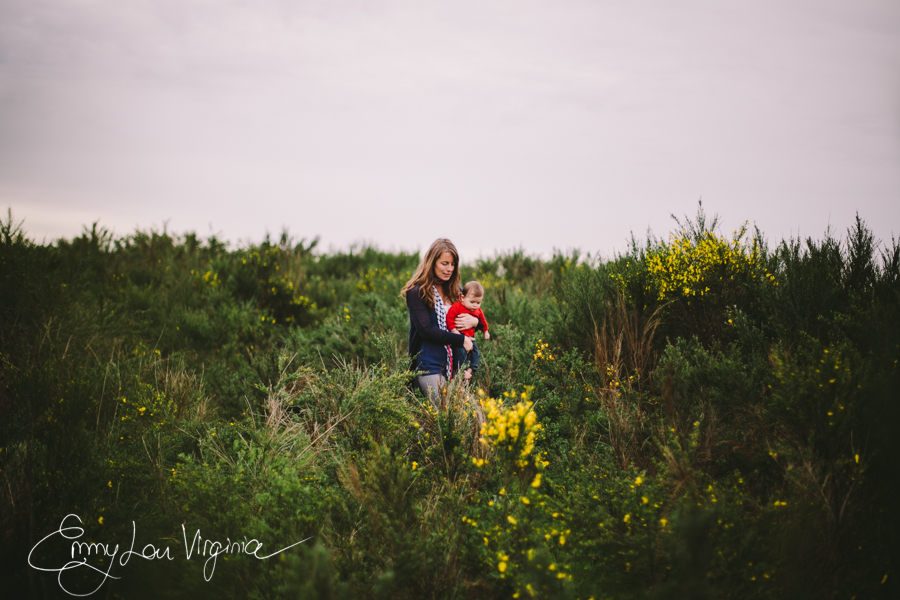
<point x="704" y="415"/>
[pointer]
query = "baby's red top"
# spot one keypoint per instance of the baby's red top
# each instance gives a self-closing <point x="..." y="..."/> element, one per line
<point x="459" y="309"/>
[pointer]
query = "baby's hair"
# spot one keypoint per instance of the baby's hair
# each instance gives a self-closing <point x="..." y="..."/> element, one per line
<point x="475" y="288"/>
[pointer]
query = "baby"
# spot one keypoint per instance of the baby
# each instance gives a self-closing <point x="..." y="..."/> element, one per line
<point x="473" y="294"/>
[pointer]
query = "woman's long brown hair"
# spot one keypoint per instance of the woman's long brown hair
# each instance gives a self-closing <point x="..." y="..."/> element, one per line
<point x="424" y="275"/>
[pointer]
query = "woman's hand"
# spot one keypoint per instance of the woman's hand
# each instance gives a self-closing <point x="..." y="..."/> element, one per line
<point x="464" y="322"/>
<point x="467" y="343"/>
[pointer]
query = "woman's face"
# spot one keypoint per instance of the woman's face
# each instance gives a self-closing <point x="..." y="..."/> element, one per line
<point x="443" y="267"/>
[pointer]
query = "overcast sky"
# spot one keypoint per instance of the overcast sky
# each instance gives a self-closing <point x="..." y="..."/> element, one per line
<point x="495" y="123"/>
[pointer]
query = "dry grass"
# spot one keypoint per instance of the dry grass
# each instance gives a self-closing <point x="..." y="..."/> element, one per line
<point x="623" y="355"/>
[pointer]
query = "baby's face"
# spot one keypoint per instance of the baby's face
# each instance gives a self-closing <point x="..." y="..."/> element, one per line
<point x="472" y="302"/>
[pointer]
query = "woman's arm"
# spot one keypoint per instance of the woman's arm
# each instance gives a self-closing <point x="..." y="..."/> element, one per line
<point x="420" y="318"/>
<point x="466" y="321"/>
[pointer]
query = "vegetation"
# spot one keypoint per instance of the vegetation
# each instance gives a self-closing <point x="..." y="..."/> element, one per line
<point x="698" y="417"/>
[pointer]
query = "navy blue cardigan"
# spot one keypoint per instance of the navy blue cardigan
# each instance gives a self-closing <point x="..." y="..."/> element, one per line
<point x="426" y="338"/>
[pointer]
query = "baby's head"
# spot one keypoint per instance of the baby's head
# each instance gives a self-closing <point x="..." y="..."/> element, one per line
<point x="473" y="294"/>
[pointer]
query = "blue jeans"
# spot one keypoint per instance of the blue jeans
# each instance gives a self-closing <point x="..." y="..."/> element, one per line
<point x="463" y="360"/>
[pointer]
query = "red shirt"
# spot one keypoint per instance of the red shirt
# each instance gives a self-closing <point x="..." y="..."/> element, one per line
<point x="458" y="309"/>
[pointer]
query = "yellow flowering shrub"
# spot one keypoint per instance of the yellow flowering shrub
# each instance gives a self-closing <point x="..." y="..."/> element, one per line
<point x="695" y="266"/>
<point x="273" y="279"/>
<point x="524" y="542"/>
<point x="542" y="351"/>
<point x="510" y="430"/>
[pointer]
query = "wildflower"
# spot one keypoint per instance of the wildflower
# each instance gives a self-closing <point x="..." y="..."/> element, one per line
<point x="537" y="478"/>
<point x="501" y="567"/>
<point x="100" y="520"/>
<point x="512" y="429"/>
<point x="663" y="522"/>
<point x="511" y="519"/>
<point x="414" y="465"/>
<point x="627" y="518"/>
<point x="638" y="481"/>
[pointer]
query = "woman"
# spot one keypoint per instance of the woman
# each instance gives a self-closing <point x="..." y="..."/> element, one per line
<point x="429" y="294"/>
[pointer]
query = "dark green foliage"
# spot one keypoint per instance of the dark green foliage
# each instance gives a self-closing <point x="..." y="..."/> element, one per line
<point x="309" y="575"/>
<point x="739" y="442"/>
<point x="585" y="293"/>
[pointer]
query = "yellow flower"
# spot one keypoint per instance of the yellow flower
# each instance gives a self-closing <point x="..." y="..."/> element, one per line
<point x="638" y="481"/>
<point x="100" y="520"/>
<point x="627" y="518"/>
<point x="510" y="430"/>
<point x="511" y="519"/>
<point x="501" y="567"/>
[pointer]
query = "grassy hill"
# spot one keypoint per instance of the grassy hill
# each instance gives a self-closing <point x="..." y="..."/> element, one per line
<point x="700" y="416"/>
